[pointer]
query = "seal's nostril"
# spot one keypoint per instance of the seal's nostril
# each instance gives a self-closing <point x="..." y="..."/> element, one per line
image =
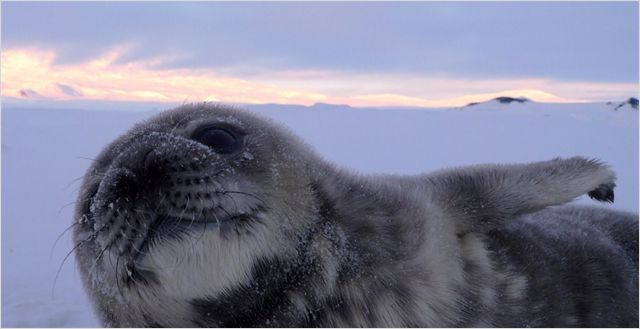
<point x="127" y="185"/>
<point x="117" y="183"/>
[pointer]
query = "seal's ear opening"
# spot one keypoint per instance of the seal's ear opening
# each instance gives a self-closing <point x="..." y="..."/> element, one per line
<point x="222" y="140"/>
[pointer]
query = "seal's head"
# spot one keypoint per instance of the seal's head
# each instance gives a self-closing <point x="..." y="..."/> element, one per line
<point x="183" y="206"/>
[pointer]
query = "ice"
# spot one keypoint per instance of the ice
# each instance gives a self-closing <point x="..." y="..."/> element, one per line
<point x="45" y="152"/>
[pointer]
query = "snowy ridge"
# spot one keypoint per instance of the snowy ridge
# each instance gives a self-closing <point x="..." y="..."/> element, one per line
<point x="46" y="150"/>
<point x="500" y="100"/>
<point x="631" y="103"/>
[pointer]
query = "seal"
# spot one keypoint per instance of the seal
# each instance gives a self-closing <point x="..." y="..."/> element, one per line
<point x="207" y="215"/>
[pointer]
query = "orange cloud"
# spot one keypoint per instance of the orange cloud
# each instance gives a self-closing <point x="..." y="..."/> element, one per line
<point x="102" y="79"/>
<point x="29" y="73"/>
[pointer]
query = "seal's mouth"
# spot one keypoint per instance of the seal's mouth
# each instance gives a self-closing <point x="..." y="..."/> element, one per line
<point x="168" y="228"/>
<point x="130" y="229"/>
<point x="129" y="238"/>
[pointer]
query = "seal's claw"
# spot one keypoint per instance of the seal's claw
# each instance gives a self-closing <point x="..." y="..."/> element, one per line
<point x="603" y="193"/>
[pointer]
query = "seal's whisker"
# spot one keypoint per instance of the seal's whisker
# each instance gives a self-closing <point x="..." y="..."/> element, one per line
<point x="96" y="175"/>
<point x="157" y="205"/>
<point x="235" y="204"/>
<point x="75" y="180"/>
<point x="244" y="193"/>
<point x="118" y="271"/>
<point x="175" y="126"/>
<point x="87" y="158"/>
<point x="184" y="209"/>
<point x="126" y="221"/>
<point x="191" y="222"/>
<point x="91" y="237"/>
<point x="55" y="280"/>
<point x="217" y="222"/>
<point x="60" y="236"/>
<point x="225" y="211"/>
<point x="152" y="268"/>
<point x="67" y="205"/>
<point x="204" y="227"/>
<point x="101" y="253"/>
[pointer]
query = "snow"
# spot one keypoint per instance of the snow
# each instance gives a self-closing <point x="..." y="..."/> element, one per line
<point x="45" y="152"/>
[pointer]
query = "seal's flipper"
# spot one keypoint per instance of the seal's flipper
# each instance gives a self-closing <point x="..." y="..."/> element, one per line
<point x="486" y="196"/>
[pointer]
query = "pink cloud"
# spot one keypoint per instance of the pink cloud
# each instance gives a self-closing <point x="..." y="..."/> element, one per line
<point x="103" y="78"/>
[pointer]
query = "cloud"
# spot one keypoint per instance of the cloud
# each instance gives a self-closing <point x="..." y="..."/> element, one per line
<point x="29" y="73"/>
<point x="29" y="93"/>
<point x="102" y="79"/>
<point x="580" y="41"/>
<point x="68" y="90"/>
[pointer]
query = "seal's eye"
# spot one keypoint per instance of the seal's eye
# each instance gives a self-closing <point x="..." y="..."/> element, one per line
<point x="222" y="140"/>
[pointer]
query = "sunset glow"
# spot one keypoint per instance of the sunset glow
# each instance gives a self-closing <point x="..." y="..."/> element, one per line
<point x="33" y="74"/>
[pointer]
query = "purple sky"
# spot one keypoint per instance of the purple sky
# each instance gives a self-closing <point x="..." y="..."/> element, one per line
<point x="332" y="51"/>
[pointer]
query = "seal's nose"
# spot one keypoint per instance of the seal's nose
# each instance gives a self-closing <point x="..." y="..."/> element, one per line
<point x="144" y="167"/>
<point x="134" y="174"/>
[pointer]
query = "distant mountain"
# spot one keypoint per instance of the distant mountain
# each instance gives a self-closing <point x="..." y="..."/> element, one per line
<point x="501" y="100"/>
<point x="631" y="103"/>
<point x="509" y="100"/>
<point x="331" y="106"/>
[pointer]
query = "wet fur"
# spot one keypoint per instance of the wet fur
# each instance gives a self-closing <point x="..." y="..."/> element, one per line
<point x="312" y="245"/>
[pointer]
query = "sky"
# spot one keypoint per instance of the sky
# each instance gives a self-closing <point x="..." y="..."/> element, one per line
<point x="362" y="54"/>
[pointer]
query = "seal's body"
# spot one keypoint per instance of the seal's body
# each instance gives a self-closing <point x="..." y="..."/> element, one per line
<point x="209" y="216"/>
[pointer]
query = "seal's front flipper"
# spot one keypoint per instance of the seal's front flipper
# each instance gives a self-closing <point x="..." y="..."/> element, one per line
<point x="486" y="196"/>
<point x="603" y="192"/>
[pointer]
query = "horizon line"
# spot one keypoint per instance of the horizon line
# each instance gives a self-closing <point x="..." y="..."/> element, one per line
<point x="82" y="103"/>
<point x="33" y="74"/>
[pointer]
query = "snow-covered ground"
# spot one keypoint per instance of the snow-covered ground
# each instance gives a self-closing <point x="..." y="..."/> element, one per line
<point x="46" y="151"/>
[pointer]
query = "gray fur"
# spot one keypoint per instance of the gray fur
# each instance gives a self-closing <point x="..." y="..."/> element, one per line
<point x="171" y="233"/>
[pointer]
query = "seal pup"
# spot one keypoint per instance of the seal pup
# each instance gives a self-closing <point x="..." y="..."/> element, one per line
<point x="209" y="216"/>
